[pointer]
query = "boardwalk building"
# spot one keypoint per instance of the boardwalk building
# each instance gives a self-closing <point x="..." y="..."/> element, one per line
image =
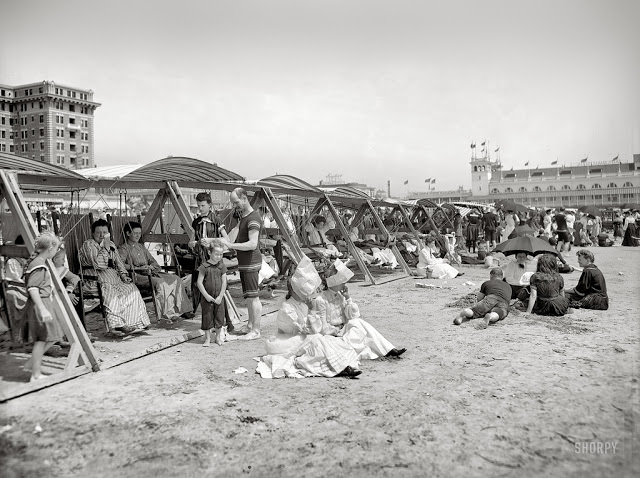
<point x="48" y="122"/>
<point x="603" y="184"/>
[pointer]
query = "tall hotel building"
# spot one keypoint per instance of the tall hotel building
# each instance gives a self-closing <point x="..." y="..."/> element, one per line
<point x="49" y="122"/>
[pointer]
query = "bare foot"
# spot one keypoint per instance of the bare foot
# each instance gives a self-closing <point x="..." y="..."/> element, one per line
<point x="460" y="320"/>
<point x="206" y="343"/>
<point x="254" y="334"/>
<point x="483" y="323"/>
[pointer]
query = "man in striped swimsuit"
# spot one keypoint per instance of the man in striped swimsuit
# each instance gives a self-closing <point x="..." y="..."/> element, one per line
<point x="245" y="239"/>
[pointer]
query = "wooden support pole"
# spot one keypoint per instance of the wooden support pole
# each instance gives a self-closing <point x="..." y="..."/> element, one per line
<point x="387" y="236"/>
<point x="351" y="246"/>
<point x="272" y="204"/>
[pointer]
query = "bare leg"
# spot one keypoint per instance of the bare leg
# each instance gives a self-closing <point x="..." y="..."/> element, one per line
<point x="490" y="318"/>
<point x="465" y="314"/>
<point x="219" y="339"/>
<point x="39" y="348"/>
<point x="207" y="338"/>
<point x="255" y="313"/>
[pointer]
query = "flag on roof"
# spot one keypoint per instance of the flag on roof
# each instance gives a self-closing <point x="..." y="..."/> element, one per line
<point x="527" y="163"/>
<point x="433" y="180"/>
<point x="584" y="160"/>
<point x="473" y="145"/>
<point x="406" y="182"/>
<point x="483" y="143"/>
<point x="615" y="159"/>
<point x="428" y="180"/>
<point x="497" y="149"/>
<point x="554" y="162"/>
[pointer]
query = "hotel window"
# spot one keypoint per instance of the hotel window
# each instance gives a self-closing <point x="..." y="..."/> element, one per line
<point x="33" y="146"/>
<point x="72" y="108"/>
<point x="581" y="186"/>
<point x="566" y="187"/>
<point x="522" y="190"/>
<point x="596" y="186"/>
<point x="72" y="121"/>
<point x="597" y="196"/>
<point x="551" y="188"/>
<point x="24" y="148"/>
<point x="42" y="158"/>
<point x="72" y="147"/>
<point x="40" y="90"/>
<point x="41" y="145"/>
<point x="612" y="185"/>
<point x="60" y="159"/>
<point x="40" y="105"/>
<point x="72" y="134"/>
<point x="495" y="191"/>
<point x="33" y="132"/>
<point x="11" y="148"/>
<point x="3" y="134"/>
<point x="41" y="131"/>
<point x="627" y="185"/>
<point x="3" y="147"/>
<point x="508" y="190"/>
<point x="41" y="118"/>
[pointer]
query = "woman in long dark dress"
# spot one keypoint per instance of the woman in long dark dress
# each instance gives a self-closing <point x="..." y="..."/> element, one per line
<point x="547" y="289"/>
<point x="472" y="231"/>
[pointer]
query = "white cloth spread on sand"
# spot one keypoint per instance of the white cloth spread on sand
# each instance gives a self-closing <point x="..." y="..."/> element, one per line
<point x="435" y="265"/>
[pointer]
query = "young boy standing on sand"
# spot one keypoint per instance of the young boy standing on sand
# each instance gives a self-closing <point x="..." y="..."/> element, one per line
<point x="212" y="283"/>
<point x="493" y="301"/>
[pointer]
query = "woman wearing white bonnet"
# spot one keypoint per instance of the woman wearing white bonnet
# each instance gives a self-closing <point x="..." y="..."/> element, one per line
<point x="340" y="316"/>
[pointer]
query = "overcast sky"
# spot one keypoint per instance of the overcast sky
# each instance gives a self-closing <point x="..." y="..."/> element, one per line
<point x="373" y="90"/>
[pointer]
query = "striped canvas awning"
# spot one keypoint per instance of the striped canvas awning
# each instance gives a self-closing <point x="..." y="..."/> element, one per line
<point x="109" y="172"/>
<point x="23" y="165"/>
<point x="285" y="184"/>
<point x="182" y="170"/>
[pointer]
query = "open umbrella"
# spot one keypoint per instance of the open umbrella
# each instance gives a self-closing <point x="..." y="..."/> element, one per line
<point x="527" y="244"/>
<point x="631" y="205"/>
<point x="524" y="230"/>
<point x="508" y="205"/>
<point x="591" y="211"/>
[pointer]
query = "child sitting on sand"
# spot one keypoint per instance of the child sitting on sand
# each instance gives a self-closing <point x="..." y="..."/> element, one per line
<point x="212" y="284"/>
<point x="493" y="301"/>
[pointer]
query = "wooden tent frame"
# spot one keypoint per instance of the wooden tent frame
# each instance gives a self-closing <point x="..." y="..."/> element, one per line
<point x="82" y="356"/>
<point x="367" y="206"/>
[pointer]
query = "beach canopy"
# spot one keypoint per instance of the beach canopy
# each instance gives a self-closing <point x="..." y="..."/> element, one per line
<point x="290" y="185"/>
<point x="41" y="176"/>
<point x="182" y="169"/>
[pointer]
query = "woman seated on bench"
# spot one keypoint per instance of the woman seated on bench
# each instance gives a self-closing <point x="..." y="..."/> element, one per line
<point x="317" y="237"/>
<point x="171" y="297"/>
<point x="123" y="304"/>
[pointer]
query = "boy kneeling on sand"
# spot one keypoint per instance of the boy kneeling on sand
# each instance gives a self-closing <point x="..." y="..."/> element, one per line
<point x="493" y="301"/>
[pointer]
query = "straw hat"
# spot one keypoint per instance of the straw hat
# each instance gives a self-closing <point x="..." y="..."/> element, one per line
<point x="342" y="276"/>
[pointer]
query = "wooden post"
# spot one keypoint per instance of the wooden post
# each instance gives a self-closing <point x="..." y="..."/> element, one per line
<point x="345" y="234"/>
